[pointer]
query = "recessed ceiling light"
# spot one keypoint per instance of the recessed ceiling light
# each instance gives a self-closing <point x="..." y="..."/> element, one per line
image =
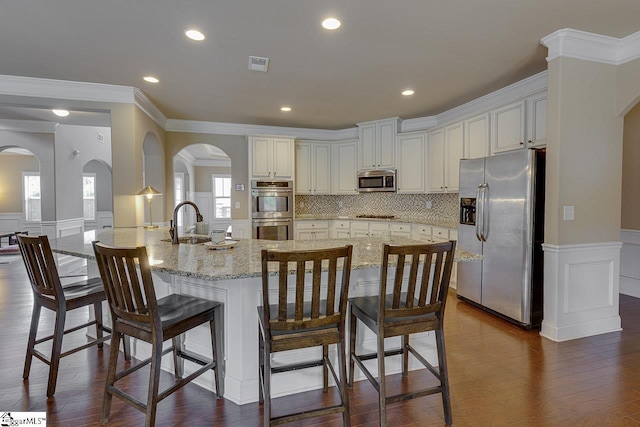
<point x="407" y="92"/>
<point x="60" y="113"/>
<point x="287" y="109"/>
<point x="150" y="79"/>
<point x="331" y="24"/>
<point x="194" y="35"/>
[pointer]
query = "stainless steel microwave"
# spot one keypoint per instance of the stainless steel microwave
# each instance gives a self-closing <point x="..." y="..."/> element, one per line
<point x="377" y="180"/>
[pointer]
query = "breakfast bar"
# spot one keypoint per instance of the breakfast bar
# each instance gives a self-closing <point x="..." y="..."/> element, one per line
<point x="233" y="276"/>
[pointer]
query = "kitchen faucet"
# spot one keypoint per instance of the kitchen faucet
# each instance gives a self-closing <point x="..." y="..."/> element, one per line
<point x="173" y="231"/>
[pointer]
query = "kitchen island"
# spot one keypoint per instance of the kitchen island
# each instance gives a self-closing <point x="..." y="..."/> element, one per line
<point x="233" y="276"/>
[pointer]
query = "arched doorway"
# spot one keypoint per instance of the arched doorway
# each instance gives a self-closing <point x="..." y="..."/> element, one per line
<point x="20" y="190"/>
<point x="97" y="195"/>
<point x="202" y="174"/>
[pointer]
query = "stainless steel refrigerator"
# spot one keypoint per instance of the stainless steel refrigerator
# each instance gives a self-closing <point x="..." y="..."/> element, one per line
<point x="502" y="218"/>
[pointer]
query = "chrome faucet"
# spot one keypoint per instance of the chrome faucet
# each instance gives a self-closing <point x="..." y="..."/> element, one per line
<point x="173" y="231"/>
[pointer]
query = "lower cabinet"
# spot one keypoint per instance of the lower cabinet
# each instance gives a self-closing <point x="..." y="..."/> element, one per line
<point x="311" y="230"/>
<point x="341" y="229"/>
<point x="400" y="230"/>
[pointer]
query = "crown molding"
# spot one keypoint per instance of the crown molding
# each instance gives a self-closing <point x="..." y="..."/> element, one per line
<point x="213" y="163"/>
<point x="149" y="108"/>
<point x="63" y="89"/>
<point x="419" y="123"/>
<point x="592" y="47"/>
<point x="36" y="126"/>
<point x="191" y="126"/>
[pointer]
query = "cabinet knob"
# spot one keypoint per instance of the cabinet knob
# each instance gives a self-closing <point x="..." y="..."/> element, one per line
<point x="529" y="141"/>
<point x="521" y="143"/>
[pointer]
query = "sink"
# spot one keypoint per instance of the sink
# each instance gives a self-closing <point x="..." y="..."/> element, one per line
<point x="191" y="240"/>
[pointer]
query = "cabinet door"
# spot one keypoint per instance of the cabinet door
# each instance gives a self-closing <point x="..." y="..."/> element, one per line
<point x="321" y="169"/>
<point x="411" y="164"/>
<point x="386" y="147"/>
<point x="344" y="168"/>
<point x="282" y="158"/>
<point x="508" y="128"/>
<point x="537" y="123"/>
<point x="304" y="234"/>
<point x="342" y="234"/>
<point x="367" y="147"/>
<point x="477" y="137"/>
<point x="321" y="234"/>
<point x="453" y="153"/>
<point x="261" y="157"/>
<point x="303" y="168"/>
<point x="435" y="161"/>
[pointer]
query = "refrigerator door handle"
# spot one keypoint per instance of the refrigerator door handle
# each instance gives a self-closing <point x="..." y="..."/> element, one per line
<point x="479" y="212"/>
<point x="485" y="212"/>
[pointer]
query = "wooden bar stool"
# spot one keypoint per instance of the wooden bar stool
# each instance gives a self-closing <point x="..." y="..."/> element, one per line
<point x="419" y="308"/>
<point x="137" y="313"/>
<point x="316" y="317"/>
<point x="48" y="292"/>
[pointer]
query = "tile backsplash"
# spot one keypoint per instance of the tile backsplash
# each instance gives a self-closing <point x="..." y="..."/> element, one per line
<point x="443" y="206"/>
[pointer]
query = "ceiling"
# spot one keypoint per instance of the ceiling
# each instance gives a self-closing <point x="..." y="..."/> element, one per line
<point x="448" y="51"/>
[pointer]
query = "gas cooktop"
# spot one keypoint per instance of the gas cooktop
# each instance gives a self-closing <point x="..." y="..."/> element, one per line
<point x="376" y="216"/>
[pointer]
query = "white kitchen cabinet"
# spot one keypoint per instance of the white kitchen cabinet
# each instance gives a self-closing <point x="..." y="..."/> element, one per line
<point x="378" y="229"/>
<point x="312" y="230"/>
<point x="453" y="234"/>
<point x="271" y="157"/>
<point x="440" y="233"/>
<point x="537" y="121"/>
<point x="508" y="128"/>
<point x="359" y="229"/>
<point x="344" y="167"/>
<point x="376" y="147"/>
<point x="411" y="163"/>
<point x="421" y="232"/>
<point x="400" y="230"/>
<point x="313" y="168"/>
<point x="341" y="229"/>
<point x="445" y="148"/>
<point x="369" y="229"/>
<point x="476" y="137"/>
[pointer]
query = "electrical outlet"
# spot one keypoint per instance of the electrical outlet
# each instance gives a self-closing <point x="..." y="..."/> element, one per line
<point x="429" y="205"/>
<point x="302" y="204"/>
<point x="340" y="204"/>
<point x="569" y="212"/>
<point x="237" y="205"/>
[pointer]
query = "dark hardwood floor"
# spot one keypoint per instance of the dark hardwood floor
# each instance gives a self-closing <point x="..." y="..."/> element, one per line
<point x="500" y="375"/>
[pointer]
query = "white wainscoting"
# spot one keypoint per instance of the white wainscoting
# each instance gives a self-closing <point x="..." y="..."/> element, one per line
<point x="103" y="220"/>
<point x="581" y="290"/>
<point x="14" y="221"/>
<point x="630" y="263"/>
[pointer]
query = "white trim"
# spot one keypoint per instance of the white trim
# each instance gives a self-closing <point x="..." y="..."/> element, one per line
<point x="630" y="236"/>
<point x="630" y="263"/>
<point x="581" y="290"/>
<point x="212" y="163"/>
<point x="149" y="108"/>
<point x="572" y="43"/>
<point x="28" y="126"/>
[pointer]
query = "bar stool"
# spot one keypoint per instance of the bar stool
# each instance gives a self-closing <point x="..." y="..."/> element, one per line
<point x="137" y="313"/>
<point x="419" y="308"/>
<point x="48" y="292"/>
<point x="316" y="317"/>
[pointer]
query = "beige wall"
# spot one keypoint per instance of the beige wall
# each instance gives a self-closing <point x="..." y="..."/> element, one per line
<point x="203" y="177"/>
<point x="11" y="168"/>
<point x="630" y="219"/>
<point x="584" y="152"/>
<point x="235" y="146"/>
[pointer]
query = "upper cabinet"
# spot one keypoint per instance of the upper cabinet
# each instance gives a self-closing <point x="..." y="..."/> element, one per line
<point x="445" y="148"/>
<point x="522" y="124"/>
<point x="476" y="137"/>
<point x="376" y="148"/>
<point x="411" y="163"/>
<point x="344" y="167"/>
<point x="313" y="168"/>
<point x="271" y="158"/>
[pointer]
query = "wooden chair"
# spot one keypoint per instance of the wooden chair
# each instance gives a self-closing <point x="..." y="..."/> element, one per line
<point x="48" y="292"/>
<point x="137" y="313"/>
<point x="316" y="317"/>
<point x="417" y="308"/>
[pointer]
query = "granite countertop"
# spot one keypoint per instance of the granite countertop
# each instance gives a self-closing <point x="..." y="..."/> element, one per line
<point x="445" y="223"/>
<point x="241" y="261"/>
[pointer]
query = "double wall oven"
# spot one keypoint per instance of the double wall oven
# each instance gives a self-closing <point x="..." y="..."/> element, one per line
<point x="272" y="210"/>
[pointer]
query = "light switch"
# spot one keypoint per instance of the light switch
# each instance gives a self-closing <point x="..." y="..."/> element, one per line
<point x="568" y="213"/>
<point x="237" y="205"/>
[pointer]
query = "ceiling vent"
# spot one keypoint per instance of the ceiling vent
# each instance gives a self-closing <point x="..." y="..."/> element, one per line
<point x="257" y="63"/>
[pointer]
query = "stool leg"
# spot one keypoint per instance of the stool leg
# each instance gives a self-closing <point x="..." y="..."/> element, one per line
<point x="111" y="375"/>
<point x="346" y="415"/>
<point x="126" y="347"/>
<point x="35" y="319"/>
<point x="178" y="362"/>
<point x="218" y="350"/>
<point x="260" y="364"/>
<point x="267" y="383"/>
<point x="382" y="398"/>
<point x="97" y="312"/>
<point x="352" y="347"/>
<point x="58" y="333"/>
<point x="444" y="376"/>
<point x="154" y="382"/>
<point x="405" y="355"/>
<point x="325" y="368"/>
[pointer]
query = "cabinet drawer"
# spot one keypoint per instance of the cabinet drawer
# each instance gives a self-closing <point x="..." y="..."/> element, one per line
<point x="441" y="233"/>
<point x="360" y="225"/>
<point x="406" y="228"/>
<point x="312" y="225"/>
<point x="424" y="230"/>
<point x="341" y="225"/>
<point x="379" y="226"/>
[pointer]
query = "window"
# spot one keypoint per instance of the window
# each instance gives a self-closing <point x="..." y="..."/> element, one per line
<point x="89" y="196"/>
<point x="31" y="191"/>
<point x="221" y="196"/>
<point x="178" y="194"/>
